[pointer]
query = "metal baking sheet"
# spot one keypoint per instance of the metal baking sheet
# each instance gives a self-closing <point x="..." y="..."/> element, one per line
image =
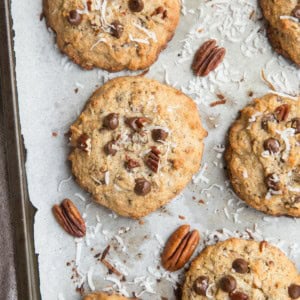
<point x="22" y="212"/>
<point x="51" y="93"/>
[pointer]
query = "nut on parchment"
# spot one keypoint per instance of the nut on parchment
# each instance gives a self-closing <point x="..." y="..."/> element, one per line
<point x="207" y="58"/>
<point x="70" y="219"/>
<point x="179" y="248"/>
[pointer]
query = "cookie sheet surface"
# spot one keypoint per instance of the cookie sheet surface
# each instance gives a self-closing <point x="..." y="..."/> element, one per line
<point x="52" y="91"/>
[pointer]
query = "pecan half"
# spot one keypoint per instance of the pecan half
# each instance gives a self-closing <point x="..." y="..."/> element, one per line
<point x="152" y="159"/>
<point x="207" y="58"/>
<point x="179" y="248"/>
<point x="282" y="112"/>
<point x="68" y="216"/>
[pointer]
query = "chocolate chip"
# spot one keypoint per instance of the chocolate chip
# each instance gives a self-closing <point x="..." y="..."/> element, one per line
<point x="296" y="125"/>
<point x="136" y="123"/>
<point x="266" y="119"/>
<point x="74" y="17"/>
<point x="159" y="135"/>
<point x="136" y="5"/>
<point x="238" y="296"/>
<point x="272" y="145"/>
<point x="109" y="148"/>
<point x="142" y="187"/>
<point x="116" y="29"/>
<point x="228" y="283"/>
<point x="240" y="266"/>
<point x="294" y="291"/>
<point x="200" y="285"/>
<point x="111" y="121"/>
<point x="271" y="183"/>
<point x="296" y="12"/>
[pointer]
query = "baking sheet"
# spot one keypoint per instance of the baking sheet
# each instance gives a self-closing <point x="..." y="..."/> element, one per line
<point x="47" y="82"/>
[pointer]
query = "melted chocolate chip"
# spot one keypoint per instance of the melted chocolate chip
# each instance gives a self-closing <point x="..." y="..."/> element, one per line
<point x="159" y="135"/>
<point x="238" y="296"/>
<point x="111" y="121"/>
<point x="109" y="148"/>
<point x="271" y="183"/>
<point x="296" y="12"/>
<point x="266" y="119"/>
<point x="228" y="283"/>
<point x="272" y="145"/>
<point x="294" y="291"/>
<point x="142" y="187"/>
<point x="200" y="285"/>
<point x="116" y="29"/>
<point x="74" y="17"/>
<point x="296" y="125"/>
<point x="136" y="5"/>
<point x="240" y="266"/>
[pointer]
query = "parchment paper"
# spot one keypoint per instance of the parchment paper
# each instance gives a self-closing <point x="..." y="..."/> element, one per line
<point x="48" y="103"/>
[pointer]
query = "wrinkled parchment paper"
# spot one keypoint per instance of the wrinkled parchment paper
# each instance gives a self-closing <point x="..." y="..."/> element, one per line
<point x="48" y="104"/>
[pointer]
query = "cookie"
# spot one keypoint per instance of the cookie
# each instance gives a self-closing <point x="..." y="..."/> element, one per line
<point x="112" y="35"/>
<point x="241" y="270"/>
<point x="283" y="17"/>
<point x="136" y="145"/>
<point x="263" y="155"/>
<point x="104" y="296"/>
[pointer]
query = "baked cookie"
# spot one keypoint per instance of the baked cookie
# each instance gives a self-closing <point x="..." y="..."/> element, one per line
<point x="263" y="155"/>
<point x="283" y="17"/>
<point x="104" y="296"/>
<point x="241" y="270"/>
<point x="112" y="34"/>
<point x="136" y="145"/>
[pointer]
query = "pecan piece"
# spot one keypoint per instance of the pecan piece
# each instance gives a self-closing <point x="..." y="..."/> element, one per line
<point x="152" y="159"/>
<point x="179" y="248"/>
<point x="136" y="123"/>
<point x="282" y="112"/>
<point x="84" y="143"/>
<point x="131" y="163"/>
<point x="207" y="58"/>
<point x="70" y="219"/>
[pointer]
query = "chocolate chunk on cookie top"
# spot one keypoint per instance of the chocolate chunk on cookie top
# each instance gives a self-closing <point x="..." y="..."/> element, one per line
<point x="136" y="145"/>
<point x="283" y="17"/>
<point x="112" y="34"/>
<point x="238" y="269"/>
<point x="263" y="155"/>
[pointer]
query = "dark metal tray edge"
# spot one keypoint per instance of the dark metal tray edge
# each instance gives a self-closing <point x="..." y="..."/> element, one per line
<point x="22" y="211"/>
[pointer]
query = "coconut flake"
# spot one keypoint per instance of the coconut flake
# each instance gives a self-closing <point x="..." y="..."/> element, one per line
<point x="285" y="134"/>
<point x="141" y="41"/>
<point x="289" y="18"/>
<point x="90" y="278"/>
<point x="78" y="252"/>
<point x="60" y="296"/>
<point x="106" y="177"/>
<point x="149" y="33"/>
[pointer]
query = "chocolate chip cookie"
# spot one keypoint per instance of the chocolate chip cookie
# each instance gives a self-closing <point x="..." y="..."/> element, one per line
<point x="283" y="18"/>
<point x="105" y="296"/>
<point x="242" y="270"/>
<point x="136" y="145"/>
<point x="112" y="35"/>
<point x="263" y="155"/>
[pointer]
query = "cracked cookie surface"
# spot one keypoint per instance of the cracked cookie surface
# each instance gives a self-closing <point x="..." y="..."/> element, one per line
<point x="136" y="145"/>
<point x="263" y="155"/>
<point x="239" y="269"/>
<point x="283" y="17"/>
<point x="112" y="35"/>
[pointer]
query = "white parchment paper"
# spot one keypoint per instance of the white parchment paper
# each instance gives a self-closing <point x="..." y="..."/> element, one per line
<point x="48" y="103"/>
